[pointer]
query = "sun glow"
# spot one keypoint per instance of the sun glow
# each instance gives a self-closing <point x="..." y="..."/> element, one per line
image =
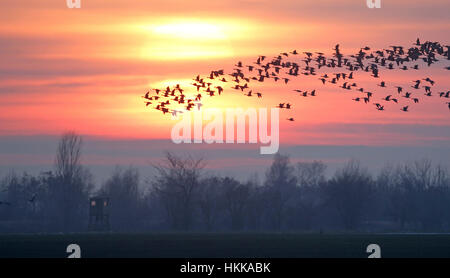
<point x="192" y="39"/>
<point x="192" y="30"/>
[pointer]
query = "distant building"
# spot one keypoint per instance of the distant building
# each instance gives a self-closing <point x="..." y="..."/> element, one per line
<point x="99" y="214"/>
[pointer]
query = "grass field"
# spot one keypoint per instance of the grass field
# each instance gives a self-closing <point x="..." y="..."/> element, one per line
<point x="244" y="245"/>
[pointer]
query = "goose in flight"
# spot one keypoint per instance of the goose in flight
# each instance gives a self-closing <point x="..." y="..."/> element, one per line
<point x="417" y="84"/>
<point x="379" y="106"/>
<point x="444" y="94"/>
<point x="429" y="81"/>
<point x="219" y="89"/>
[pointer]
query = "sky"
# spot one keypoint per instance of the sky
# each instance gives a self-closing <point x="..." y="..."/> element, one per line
<point x="85" y="70"/>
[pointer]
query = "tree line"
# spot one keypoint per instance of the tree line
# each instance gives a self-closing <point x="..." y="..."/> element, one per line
<point x="182" y="196"/>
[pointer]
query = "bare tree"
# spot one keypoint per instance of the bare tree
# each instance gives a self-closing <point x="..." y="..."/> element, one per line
<point x="256" y="206"/>
<point x="176" y="183"/>
<point x="280" y="187"/>
<point x="73" y="182"/>
<point x="349" y="193"/>
<point x="423" y="189"/>
<point x="310" y="177"/>
<point x="310" y="173"/>
<point x="122" y="188"/>
<point x="68" y="156"/>
<point x="236" y="199"/>
<point x="208" y="200"/>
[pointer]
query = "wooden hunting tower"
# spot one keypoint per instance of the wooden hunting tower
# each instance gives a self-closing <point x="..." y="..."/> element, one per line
<point x="99" y="214"/>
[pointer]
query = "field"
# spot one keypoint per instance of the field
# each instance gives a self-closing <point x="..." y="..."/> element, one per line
<point x="240" y="245"/>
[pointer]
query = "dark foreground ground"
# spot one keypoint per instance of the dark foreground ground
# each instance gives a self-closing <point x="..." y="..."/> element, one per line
<point x="245" y="245"/>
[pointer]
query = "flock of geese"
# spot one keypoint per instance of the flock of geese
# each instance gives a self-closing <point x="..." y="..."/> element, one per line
<point x="342" y="73"/>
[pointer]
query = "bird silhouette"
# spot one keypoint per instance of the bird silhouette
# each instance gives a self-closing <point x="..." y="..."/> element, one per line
<point x="33" y="198"/>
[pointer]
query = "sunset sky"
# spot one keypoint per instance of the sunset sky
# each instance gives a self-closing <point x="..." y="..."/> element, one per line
<point x="85" y="70"/>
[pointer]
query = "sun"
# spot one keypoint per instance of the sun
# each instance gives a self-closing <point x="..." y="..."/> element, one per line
<point x="188" y="39"/>
<point x="192" y="30"/>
